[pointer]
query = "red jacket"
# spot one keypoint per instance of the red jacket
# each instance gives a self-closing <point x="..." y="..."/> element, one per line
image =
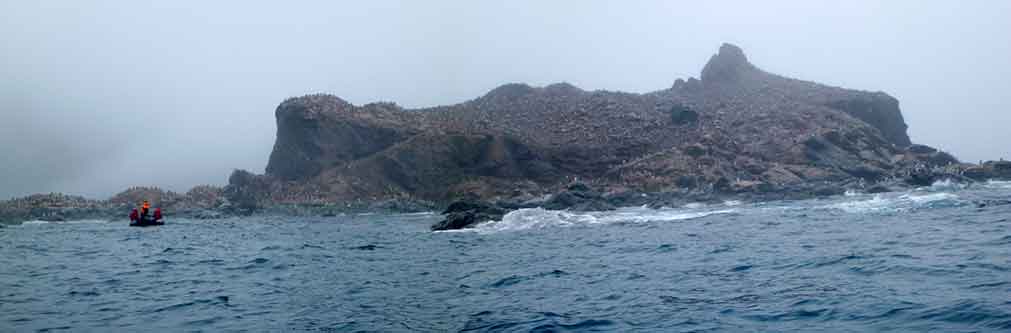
<point x="157" y="214"/>
<point x="133" y="215"/>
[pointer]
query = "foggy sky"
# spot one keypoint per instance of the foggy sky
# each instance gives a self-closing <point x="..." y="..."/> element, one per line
<point x="99" y="95"/>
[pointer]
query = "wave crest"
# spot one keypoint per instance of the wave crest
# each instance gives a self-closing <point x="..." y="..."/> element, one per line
<point x="539" y="218"/>
<point x="894" y="204"/>
<point x="38" y="222"/>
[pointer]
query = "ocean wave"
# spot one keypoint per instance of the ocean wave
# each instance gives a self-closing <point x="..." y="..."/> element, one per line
<point x="928" y="198"/>
<point x="1000" y="184"/>
<point x="580" y="259"/>
<point x="40" y="222"/>
<point x="895" y="204"/>
<point x="539" y="218"/>
<point x="947" y="185"/>
<point x="877" y="203"/>
<point x="428" y="213"/>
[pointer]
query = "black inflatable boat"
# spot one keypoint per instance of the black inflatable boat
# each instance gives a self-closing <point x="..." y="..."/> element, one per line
<point x="146" y="222"/>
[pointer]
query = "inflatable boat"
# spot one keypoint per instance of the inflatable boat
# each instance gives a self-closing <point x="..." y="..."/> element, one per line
<point x="146" y="222"/>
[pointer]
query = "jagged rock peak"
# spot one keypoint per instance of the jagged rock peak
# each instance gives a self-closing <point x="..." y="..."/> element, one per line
<point x="562" y="88"/>
<point x="383" y="105"/>
<point x="514" y="91"/>
<point x="732" y="53"/>
<point x="727" y="65"/>
<point x="509" y="91"/>
<point x="691" y="85"/>
<point x="313" y="104"/>
<point x="318" y="98"/>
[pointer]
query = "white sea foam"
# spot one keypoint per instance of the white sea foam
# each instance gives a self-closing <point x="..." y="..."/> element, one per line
<point x="539" y="218"/>
<point x="998" y="184"/>
<point x="429" y="213"/>
<point x="927" y="198"/>
<point x="38" y="222"/>
<point x="947" y="185"/>
<point x="877" y="203"/>
<point x="882" y="203"/>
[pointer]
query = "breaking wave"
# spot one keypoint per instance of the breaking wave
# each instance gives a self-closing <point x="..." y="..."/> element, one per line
<point x="947" y="185"/>
<point x="40" y="222"/>
<point x="998" y="184"/>
<point x="539" y="218"/>
<point x="882" y="203"/>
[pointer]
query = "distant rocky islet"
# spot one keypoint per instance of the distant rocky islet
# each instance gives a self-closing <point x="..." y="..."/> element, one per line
<point x="736" y="133"/>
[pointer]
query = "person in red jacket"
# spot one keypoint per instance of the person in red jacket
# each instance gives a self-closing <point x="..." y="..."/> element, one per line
<point x="157" y="214"/>
<point x="134" y="215"/>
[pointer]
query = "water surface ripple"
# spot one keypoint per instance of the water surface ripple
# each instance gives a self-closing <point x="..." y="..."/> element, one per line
<point x="927" y="260"/>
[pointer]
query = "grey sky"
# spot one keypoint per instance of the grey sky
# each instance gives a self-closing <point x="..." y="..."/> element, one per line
<point x="99" y="95"/>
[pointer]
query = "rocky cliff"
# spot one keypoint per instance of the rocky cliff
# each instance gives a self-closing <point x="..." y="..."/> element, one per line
<point x="737" y="127"/>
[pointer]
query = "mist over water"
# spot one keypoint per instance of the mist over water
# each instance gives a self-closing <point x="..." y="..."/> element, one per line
<point x="97" y="96"/>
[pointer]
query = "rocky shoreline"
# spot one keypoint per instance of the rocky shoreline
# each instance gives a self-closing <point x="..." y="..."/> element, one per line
<point x="210" y="202"/>
<point x="59" y="207"/>
<point x="467" y="213"/>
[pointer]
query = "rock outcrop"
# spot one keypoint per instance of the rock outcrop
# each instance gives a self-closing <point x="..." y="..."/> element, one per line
<point x="468" y="213"/>
<point x="737" y="130"/>
<point x="1000" y="170"/>
<point x="578" y="197"/>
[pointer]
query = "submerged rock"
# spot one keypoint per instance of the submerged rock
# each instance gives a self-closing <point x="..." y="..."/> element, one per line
<point x="468" y="213"/>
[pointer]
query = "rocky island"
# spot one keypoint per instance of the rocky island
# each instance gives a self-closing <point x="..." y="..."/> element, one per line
<point x="735" y="132"/>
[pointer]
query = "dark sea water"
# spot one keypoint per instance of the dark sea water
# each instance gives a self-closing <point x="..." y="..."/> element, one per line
<point x="927" y="260"/>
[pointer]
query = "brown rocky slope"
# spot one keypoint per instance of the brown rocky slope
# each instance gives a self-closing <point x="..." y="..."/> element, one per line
<point x="737" y="128"/>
